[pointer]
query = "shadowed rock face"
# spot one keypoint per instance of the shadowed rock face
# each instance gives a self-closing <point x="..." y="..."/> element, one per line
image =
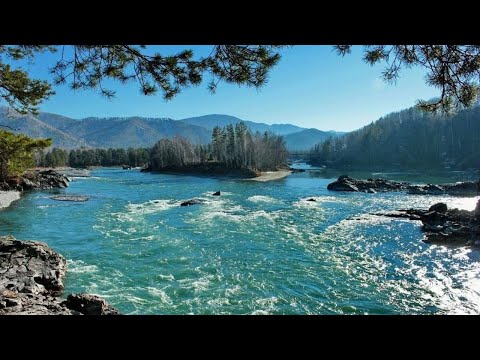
<point x="31" y="282"/>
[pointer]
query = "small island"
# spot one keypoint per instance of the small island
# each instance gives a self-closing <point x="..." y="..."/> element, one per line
<point x="234" y="151"/>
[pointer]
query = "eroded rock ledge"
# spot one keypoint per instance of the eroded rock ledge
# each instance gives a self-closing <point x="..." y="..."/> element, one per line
<point x="346" y="183"/>
<point x="31" y="283"/>
<point x="42" y="180"/>
<point x="445" y="226"/>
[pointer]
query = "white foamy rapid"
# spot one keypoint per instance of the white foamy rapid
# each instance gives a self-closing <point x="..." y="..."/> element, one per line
<point x="262" y="199"/>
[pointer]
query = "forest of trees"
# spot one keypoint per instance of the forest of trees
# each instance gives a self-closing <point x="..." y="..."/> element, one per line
<point x="407" y="139"/>
<point x="234" y="147"/>
<point x="94" y="157"/>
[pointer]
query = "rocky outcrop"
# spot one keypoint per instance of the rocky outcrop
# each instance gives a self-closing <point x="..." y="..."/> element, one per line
<point x="445" y="226"/>
<point x="192" y="202"/>
<point x="31" y="282"/>
<point x="42" y="180"/>
<point x="346" y="183"/>
<point x="87" y="304"/>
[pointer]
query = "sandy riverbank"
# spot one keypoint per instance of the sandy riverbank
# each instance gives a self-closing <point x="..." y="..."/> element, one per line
<point x="7" y="197"/>
<point x="271" y="175"/>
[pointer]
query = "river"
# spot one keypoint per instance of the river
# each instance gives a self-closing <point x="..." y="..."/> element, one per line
<point x="259" y="248"/>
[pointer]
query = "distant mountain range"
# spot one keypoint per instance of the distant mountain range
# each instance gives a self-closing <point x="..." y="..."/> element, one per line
<point x="306" y="139"/>
<point x="127" y="132"/>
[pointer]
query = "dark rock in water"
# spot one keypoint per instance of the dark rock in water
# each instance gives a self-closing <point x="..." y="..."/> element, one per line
<point x="147" y="169"/>
<point x="416" y="190"/>
<point x="75" y="198"/>
<point x="293" y="170"/>
<point x="445" y="226"/>
<point x="431" y="189"/>
<point x="433" y="220"/>
<point x="90" y="305"/>
<point x="468" y="188"/>
<point x="192" y="202"/>
<point x="216" y="193"/>
<point x="346" y="183"/>
<point x="31" y="282"/>
<point x="127" y="167"/>
<point x="477" y="208"/>
<point x="311" y="199"/>
<point x="438" y="207"/>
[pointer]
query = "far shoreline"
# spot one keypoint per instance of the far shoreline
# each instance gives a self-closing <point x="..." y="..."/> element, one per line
<point x="270" y="175"/>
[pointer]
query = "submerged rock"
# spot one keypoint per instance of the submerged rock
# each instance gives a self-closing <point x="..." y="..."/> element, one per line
<point x="216" y="193"/>
<point x="31" y="282"/>
<point x="192" y="202"/>
<point x="311" y="199"/>
<point x="76" y="198"/>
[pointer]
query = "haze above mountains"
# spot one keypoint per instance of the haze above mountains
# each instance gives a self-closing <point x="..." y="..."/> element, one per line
<point x="137" y="132"/>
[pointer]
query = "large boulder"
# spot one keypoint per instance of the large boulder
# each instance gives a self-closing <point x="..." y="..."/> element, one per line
<point x="192" y="202"/>
<point x="90" y="305"/>
<point x="438" y="207"/>
<point x="31" y="282"/>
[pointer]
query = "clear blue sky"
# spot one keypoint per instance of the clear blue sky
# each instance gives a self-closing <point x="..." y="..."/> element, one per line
<point x="311" y="87"/>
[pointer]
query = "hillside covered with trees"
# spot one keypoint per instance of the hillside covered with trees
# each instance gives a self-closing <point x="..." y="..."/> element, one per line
<point x="407" y="139"/>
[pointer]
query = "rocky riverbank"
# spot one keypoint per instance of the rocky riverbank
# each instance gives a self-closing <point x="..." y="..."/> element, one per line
<point x="346" y="183"/>
<point x="41" y="180"/>
<point x="31" y="283"/>
<point x="7" y="197"/>
<point x="445" y="226"/>
<point x="206" y="169"/>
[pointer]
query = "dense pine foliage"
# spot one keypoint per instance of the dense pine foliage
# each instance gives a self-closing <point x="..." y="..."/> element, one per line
<point x="17" y="152"/>
<point x="409" y="139"/>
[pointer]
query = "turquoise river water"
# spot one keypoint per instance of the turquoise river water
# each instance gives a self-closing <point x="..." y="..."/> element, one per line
<point x="259" y="248"/>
